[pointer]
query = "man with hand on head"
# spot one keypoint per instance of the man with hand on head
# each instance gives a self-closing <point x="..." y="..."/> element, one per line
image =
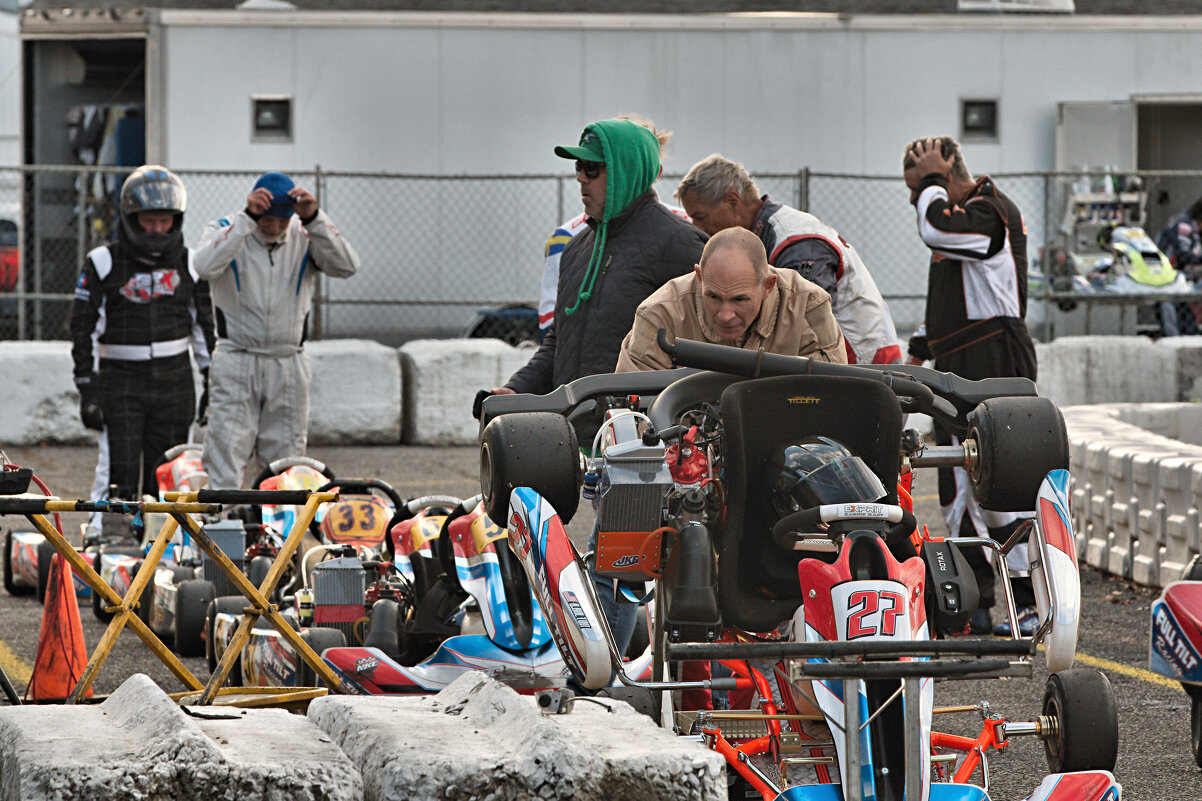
<point x="733" y="297"/>
<point x="262" y="264"/>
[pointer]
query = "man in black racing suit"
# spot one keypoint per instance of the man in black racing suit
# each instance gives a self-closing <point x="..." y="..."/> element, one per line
<point x="139" y="307"/>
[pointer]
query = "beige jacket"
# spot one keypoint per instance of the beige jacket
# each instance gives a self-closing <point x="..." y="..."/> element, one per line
<point x="795" y="320"/>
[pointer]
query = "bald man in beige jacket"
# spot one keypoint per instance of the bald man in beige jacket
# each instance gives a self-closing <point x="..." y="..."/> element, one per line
<point x="733" y="297"/>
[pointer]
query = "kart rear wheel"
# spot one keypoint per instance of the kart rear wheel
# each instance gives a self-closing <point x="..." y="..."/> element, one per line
<point x="1195" y="730"/>
<point x="46" y="552"/>
<point x="1019" y="441"/>
<point x="319" y="639"/>
<point x="530" y="449"/>
<point x="1086" y="735"/>
<point x="230" y="604"/>
<point x="383" y="629"/>
<point x="192" y="599"/>
<point x="1193" y="571"/>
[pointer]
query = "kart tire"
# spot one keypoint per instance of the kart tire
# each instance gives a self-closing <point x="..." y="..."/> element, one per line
<point x="46" y="552"/>
<point x="383" y="628"/>
<point x="10" y="583"/>
<point x="192" y="599"/>
<point x="1193" y="571"/>
<point x="529" y="449"/>
<point x="1087" y="736"/>
<point x="98" y="602"/>
<point x="143" y="611"/>
<point x="640" y="639"/>
<point x="319" y="639"/>
<point x="232" y="604"/>
<point x="1019" y="441"/>
<point x="1195" y="729"/>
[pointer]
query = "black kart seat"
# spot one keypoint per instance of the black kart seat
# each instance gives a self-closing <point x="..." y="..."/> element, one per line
<point x="757" y="579"/>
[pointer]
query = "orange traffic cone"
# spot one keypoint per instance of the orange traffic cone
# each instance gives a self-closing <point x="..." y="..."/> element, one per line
<point x="62" y="655"/>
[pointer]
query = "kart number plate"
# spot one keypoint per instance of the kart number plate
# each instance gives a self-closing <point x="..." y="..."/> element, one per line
<point x="356" y="521"/>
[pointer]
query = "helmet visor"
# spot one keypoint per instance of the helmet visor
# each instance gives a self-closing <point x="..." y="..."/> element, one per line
<point x="162" y="195"/>
<point x="843" y="480"/>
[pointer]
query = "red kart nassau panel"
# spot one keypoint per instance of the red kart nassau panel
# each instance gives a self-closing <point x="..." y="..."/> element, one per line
<point x="1092" y="785"/>
<point x="1056" y="530"/>
<point x="1184" y="599"/>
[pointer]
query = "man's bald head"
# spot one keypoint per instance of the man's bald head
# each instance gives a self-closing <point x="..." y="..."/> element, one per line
<point x="742" y="241"/>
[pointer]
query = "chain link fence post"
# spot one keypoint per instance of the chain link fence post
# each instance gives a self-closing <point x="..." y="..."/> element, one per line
<point x="319" y="298"/>
<point x="803" y="189"/>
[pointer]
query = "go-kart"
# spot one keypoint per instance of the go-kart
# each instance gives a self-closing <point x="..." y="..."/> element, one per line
<point x="457" y="601"/>
<point x="811" y="587"/>
<point x="325" y="600"/>
<point x="1175" y="650"/>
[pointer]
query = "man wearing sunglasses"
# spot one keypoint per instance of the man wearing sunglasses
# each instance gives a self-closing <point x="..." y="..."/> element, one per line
<point x="630" y="246"/>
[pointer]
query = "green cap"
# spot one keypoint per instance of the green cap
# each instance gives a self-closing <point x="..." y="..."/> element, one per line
<point x="589" y="148"/>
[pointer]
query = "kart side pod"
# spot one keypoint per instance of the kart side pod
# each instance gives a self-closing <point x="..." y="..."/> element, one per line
<point x="561" y="583"/>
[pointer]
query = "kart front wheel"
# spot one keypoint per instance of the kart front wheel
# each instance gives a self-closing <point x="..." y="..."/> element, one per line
<point x="229" y="604"/>
<point x="192" y="599"/>
<point x="1193" y="571"/>
<point x="1085" y="732"/>
<point x="319" y="639"/>
<point x="10" y="582"/>
<point x="46" y="552"/>
<point x="1019" y="441"/>
<point x="529" y="449"/>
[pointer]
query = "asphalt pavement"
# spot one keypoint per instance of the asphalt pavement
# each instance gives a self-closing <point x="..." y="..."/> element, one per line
<point x="1154" y="762"/>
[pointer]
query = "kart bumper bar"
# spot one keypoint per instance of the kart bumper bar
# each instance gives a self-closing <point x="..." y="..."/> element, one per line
<point x="834" y="650"/>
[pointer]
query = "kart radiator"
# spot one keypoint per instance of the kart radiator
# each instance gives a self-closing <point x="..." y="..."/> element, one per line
<point x="632" y="495"/>
<point x="339" y="586"/>
<point x="230" y="537"/>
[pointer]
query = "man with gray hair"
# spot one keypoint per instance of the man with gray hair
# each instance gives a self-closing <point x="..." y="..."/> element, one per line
<point x="717" y="194"/>
<point x="734" y="298"/>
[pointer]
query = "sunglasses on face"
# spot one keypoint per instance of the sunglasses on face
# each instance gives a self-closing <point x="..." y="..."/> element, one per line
<point x="591" y="169"/>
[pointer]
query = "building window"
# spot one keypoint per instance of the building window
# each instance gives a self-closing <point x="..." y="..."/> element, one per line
<point x="271" y="118"/>
<point x="978" y="119"/>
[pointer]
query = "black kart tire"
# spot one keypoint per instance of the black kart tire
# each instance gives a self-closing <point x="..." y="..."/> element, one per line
<point x="529" y="449"/>
<point x="192" y="599"/>
<point x="1193" y="571"/>
<point x="319" y="639"/>
<point x="46" y="552"/>
<point x="1019" y="441"/>
<point x="232" y="604"/>
<point x="10" y="583"/>
<point x="1087" y="737"/>
<point x="641" y="638"/>
<point x="1195" y="730"/>
<point x="383" y="628"/>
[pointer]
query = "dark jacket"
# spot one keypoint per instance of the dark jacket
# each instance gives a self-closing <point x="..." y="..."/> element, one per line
<point x="647" y="247"/>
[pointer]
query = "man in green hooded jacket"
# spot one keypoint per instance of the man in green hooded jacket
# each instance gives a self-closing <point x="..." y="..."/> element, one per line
<point x="632" y="247"/>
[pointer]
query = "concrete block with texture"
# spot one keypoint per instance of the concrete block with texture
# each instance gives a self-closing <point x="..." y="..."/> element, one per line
<point x="139" y="744"/>
<point x="1187" y="354"/>
<point x="356" y="393"/>
<point x="478" y="739"/>
<point x="1106" y="369"/>
<point x="40" y="402"/>
<point x="442" y="377"/>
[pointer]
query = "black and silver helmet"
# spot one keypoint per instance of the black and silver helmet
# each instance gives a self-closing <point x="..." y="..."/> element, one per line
<point x="157" y="189"/>
<point x="819" y="471"/>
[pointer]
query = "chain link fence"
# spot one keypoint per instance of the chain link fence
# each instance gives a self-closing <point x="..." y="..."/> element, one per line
<point x="436" y="250"/>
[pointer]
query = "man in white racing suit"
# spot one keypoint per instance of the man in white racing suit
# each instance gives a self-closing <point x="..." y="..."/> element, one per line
<point x="718" y="193"/>
<point x="262" y="265"/>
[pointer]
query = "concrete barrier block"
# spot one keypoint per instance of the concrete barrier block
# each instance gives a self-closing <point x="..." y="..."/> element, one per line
<point x="1187" y="356"/>
<point x="1075" y="370"/>
<point x="495" y="744"/>
<point x="356" y="393"/>
<point x="40" y="403"/>
<point x="139" y="743"/>
<point x="441" y="378"/>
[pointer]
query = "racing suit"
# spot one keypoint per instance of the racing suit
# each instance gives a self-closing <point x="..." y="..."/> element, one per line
<point x="262" y="294"/>
<point x="1181" y="242"/>
<point x="132" y="324"/>
<point x="975" y="328"/>
<point x="799" y="241"/>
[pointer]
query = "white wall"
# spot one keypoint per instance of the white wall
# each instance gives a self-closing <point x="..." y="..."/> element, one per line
<point x="480" y="93"/>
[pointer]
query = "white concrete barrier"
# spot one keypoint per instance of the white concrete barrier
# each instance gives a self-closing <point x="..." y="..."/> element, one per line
<point x="356" y="393"/>
<point x="139" y="743"/>
<point x="1106" y="369"/>
<point x="480" y="739"/>
<point x="442" y="377"/>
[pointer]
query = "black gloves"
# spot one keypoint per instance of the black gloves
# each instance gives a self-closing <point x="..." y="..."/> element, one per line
<point x="90" y="412"/>
<point x="202" y="408"/>
<point x="478" y="403"/>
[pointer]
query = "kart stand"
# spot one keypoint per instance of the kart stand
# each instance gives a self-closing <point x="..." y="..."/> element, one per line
<point x="179" y="507"/>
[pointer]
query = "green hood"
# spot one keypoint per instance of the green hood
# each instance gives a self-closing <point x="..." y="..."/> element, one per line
<point x="631" y="154"/>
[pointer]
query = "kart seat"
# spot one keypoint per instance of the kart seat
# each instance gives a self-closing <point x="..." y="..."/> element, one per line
<point x="757" y="579"/>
